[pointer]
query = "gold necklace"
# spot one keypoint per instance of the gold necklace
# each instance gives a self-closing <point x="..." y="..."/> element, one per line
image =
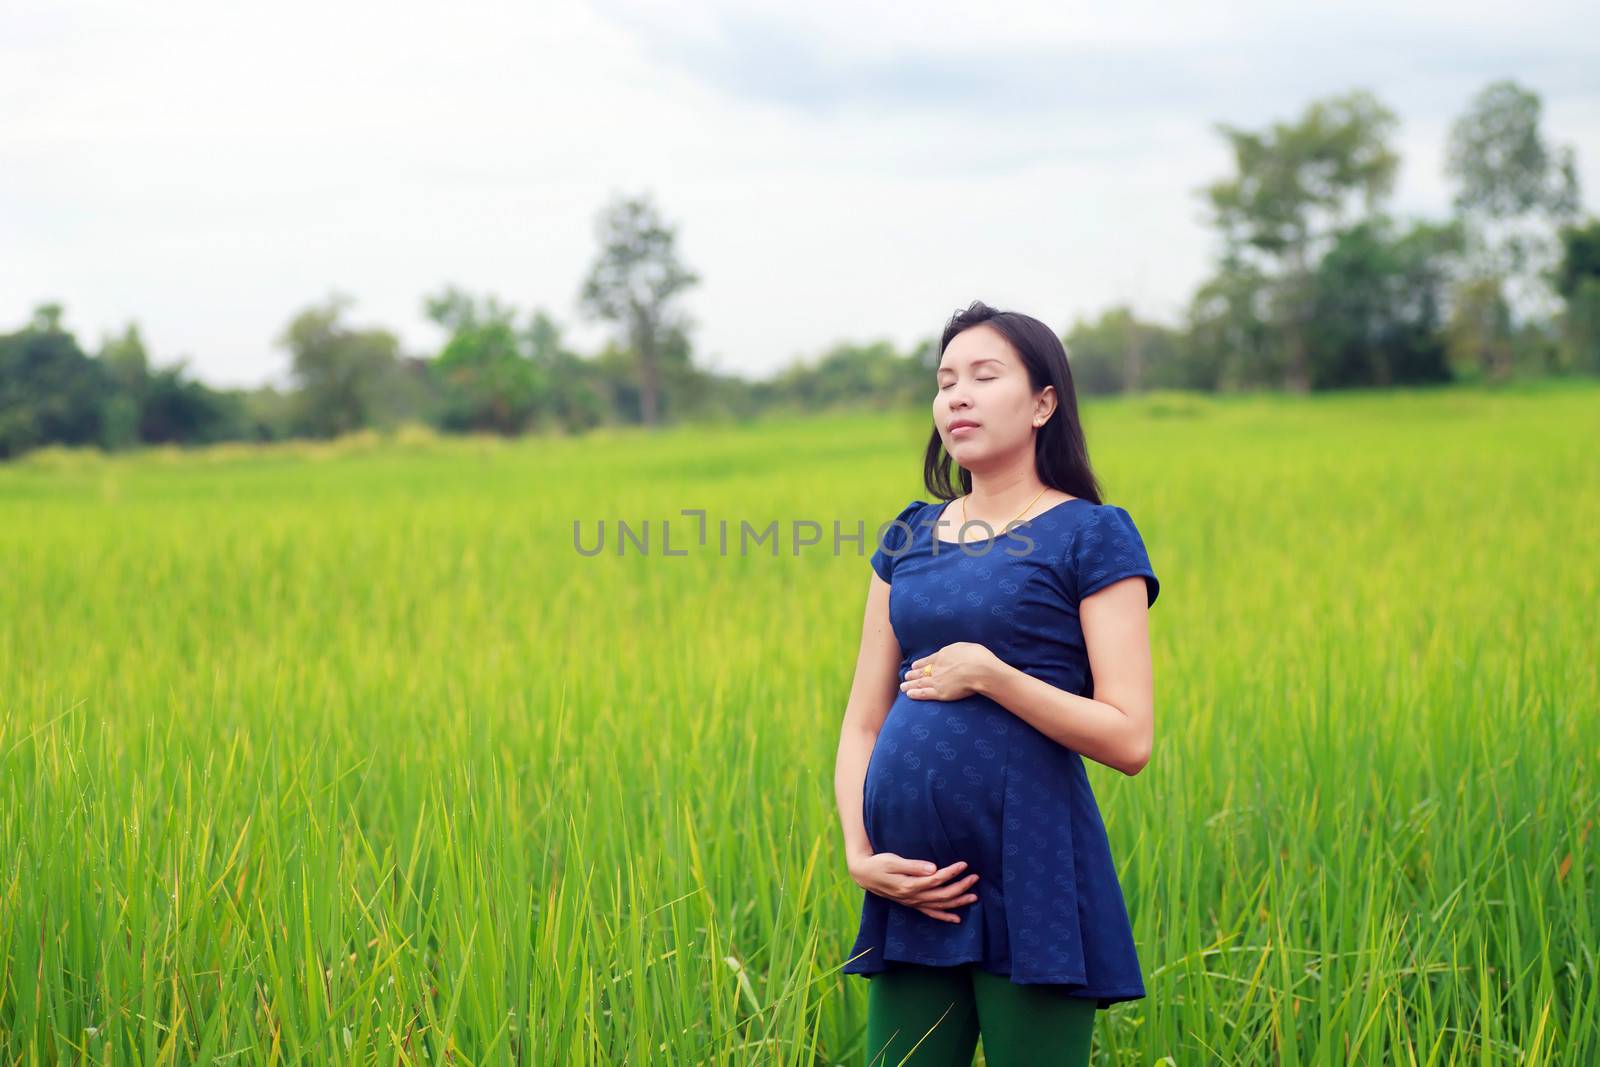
<point x="1021" y="513"/>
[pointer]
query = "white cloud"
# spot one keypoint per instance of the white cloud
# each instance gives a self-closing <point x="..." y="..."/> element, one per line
<point x="835" y="170"/>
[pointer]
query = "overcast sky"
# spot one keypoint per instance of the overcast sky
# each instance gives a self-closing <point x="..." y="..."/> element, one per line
<point x="835" y="170"/>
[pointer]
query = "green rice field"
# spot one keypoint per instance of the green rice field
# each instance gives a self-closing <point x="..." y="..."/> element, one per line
<point x="344" y="753"/>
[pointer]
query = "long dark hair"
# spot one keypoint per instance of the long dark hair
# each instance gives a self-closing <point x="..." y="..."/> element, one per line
<point x="1059" y="452"/>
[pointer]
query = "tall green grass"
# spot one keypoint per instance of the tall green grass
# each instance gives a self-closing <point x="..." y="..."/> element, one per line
<point x="344" y="754"/>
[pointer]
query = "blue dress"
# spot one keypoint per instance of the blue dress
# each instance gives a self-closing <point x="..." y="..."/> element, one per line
<point x="968" y="780"/>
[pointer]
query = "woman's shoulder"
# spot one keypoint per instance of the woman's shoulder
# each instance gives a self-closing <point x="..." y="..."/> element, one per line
<point x="1103" y="545"/>
<point x="1106" y="518"/>
<point x="910" y="513"/>
<point x="895" y="537"/>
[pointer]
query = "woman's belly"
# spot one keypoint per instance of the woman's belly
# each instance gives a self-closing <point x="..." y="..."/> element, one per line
<point x="936" y="783"/>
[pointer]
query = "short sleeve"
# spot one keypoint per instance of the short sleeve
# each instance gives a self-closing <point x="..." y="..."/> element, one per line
<point x="1107" y="549"/>
<point x="895" y="535"/>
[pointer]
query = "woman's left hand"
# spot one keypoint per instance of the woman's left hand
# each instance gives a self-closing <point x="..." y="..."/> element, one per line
<point x="958" y="670"/>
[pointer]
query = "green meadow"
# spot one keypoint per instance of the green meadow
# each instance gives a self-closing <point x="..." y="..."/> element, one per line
<point x="344" y="753"/>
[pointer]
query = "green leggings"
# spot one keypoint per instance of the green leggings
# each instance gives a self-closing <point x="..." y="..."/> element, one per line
<point x="931" y="1017"/>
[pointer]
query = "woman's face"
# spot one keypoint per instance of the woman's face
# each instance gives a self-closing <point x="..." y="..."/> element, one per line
<point x="985" y="406"/>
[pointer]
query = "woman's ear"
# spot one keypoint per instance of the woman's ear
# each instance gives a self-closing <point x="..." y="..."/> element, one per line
<point x="1045" y="407"/>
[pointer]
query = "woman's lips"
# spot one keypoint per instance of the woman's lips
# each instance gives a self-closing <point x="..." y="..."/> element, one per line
<point x="964" y="428"/>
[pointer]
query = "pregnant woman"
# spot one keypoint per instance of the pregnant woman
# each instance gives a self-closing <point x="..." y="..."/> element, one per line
<point x="990" y="666"/>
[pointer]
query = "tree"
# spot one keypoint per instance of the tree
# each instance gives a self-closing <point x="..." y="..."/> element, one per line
<point x="1378" y="305"/>
<point x="162" y="406"/>
<point x="848" y="373"/>
<point x="574" y="395"/>
<point x="1291" y="195"/>
<point x="51" y="392"/>
<point x="488" y="380"/>
<point x="1229" y="344"/>
<point x="344" y="377"/>
<point x="1514" y="190"/>
<point x="179" y="410"/>
<point x="633" y="283"/>
<point x="495" y="375"/>
<point x="1577" y="279"/>
<point x="1480" y="328"/>
<point x="128" y="366"/>
<point x="1120" y="353"/>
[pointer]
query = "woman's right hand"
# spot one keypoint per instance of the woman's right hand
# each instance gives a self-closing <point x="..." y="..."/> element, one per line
<point x="915" y="883"/>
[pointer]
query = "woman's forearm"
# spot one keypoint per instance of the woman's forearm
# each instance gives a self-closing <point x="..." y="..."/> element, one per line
<point x="849" y="777"/>
<point x="1089" y="727"/>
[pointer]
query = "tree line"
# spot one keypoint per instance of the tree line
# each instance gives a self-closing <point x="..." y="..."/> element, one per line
<point x="1316" y="285"/>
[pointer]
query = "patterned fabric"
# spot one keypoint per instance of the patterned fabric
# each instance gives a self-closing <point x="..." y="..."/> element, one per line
<point x="968" y="780"/>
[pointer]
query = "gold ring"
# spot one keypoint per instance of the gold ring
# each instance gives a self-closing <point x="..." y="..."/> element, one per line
<point x="928" y="669"/>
